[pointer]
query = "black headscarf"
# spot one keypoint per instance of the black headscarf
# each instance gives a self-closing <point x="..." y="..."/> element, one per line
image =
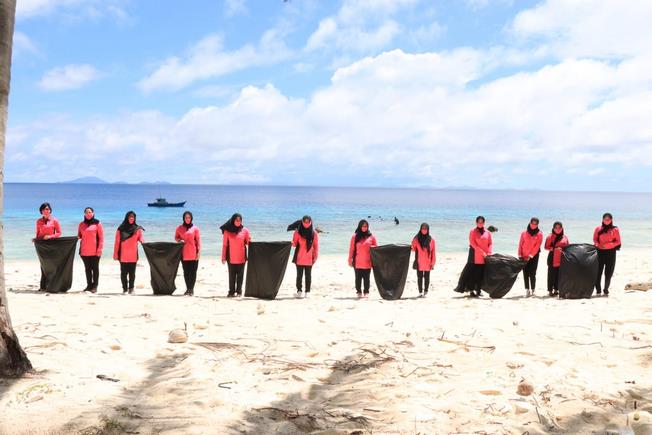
<point x="91" y="221"/>
<point x="530" y="231"/>
<point x="307" y="233"/>
<point x="183" y="219"/>
<point x="424" y="239"/>
<point x="230" y="224"/>
<point x="126" y="229"/>
<point x="359" y="234"/>
<point x="480" y="230"/>
<point x="606" y="228"/>
<point x="559" y="236"/>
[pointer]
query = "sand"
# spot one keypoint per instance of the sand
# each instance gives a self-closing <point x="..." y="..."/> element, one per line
<point x="329" y="364"/>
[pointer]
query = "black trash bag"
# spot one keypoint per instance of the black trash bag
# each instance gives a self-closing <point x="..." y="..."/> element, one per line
<point x="266" y="269"/>
<point x="578" y="271"/>
<point x="163" y="259"/>
<point x="390" y="266"/>
<point x="464" y="283"/>
<point x="57" y="257"/>
<point x="500" y="273"/>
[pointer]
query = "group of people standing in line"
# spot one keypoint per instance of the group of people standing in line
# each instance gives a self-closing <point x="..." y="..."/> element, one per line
<point x="236" y="238"/>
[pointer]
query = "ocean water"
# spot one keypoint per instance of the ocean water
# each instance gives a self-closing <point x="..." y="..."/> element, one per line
<point x="268" y="210"/>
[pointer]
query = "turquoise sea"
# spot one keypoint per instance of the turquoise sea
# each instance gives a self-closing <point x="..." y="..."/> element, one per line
<point x="268" y="210"/>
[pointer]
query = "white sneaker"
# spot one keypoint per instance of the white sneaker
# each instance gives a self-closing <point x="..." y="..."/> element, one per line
<point x="527" y="293"/>
<point x="425" y="295"/>
<point x="306" y="294"/>
<point x="298" y="295"/>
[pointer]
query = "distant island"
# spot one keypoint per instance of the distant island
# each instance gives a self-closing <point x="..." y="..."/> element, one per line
<point x="96" y="180"/>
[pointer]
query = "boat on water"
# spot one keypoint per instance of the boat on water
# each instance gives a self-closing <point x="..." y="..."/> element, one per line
<point x="162" y="202"/>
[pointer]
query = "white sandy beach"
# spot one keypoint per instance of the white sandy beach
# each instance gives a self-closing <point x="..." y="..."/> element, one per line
<point x="329" y="364"/>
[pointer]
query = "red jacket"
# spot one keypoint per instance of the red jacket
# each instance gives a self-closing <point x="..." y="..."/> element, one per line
<point x="608" y="240"/>
<point x="92" y="239"/>
<point x="236" y="243"/>
<point x="529" y="245"/>
<point x="480" y="243"/>
<point x="127" y="250"/>
<point x="191" y="241"/>
<point x="48" y="227"/>
<point x="425" y="260"/>
<point x="305" y="257"/>
<point x="362" y="252"/>
<point x="556" y="256"/>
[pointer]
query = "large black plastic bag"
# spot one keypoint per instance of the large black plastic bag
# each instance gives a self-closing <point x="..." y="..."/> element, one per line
<point x="464" y="282"/>
<point x="578" y="271"/>
<point x="500" y="273"/>
<point x="163" y="259"/>
<point x="390" y="266"/>
<point x="57" y="257"/>
<point x="266" y="269"/>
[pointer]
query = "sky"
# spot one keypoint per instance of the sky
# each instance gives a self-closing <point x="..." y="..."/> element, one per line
<point x="500" y="94"/>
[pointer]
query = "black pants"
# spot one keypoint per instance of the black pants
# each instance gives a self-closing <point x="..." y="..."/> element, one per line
<point x="127" y="275"/>
<point x="44" y="281"/>
<point x="530" y="272"/>
<point x="423" y="280"/>
<point x="362" y="275"/>
<point x="92" y="268"/>
<point x="190" y="273"/>
<point x="300" y="270"/>
<point x="476" y="276"/>
<point x="236" y="275"/>
<point x="553" y="278"/>
<point x="606" y="264"/>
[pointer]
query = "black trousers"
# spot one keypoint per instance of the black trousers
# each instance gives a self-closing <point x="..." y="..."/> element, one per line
<point x="92" y="268"/>
<point x="236" y="276"/>
<point x="553" y="278"/>
<point x="423" y="280"/>
<point x="530" y="272"/>
<point x="44" y="281"/>
<point x="606" y="264"/>
<point x="127" y="275"/>
<point x="190" y="273"/>
<point x="477" y="273"/>
<point x="360" y="276"/>
<point x="300" y="271"/>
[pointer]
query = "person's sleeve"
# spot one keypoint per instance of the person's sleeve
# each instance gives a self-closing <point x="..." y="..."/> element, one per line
<point x="100" y="241"/>
<point x="141" y="239"/>
<point x="351" y="249"/>
<point x="315" y="248"/>
<point x="247" y="238"/>
<point x="116" y="246"/>
<point x="414" y="244"/>
<point x="57" y="230"/>
<point x="79" y="233"/>
<point x="548" y="245"/>
<point x="537" y="245"/>
<point x="596" y="237"/>
<point x="491" y="245"/>
<point x="433" y="248"/>
<point x="198" y="240"/>
<point x="295" y="238"/>
<point x="374" y="241"/>
<point x="177" y="235"/>
<point x="224" y="244"/>
<point x="36" y="236"/>
<point x="616" y="242"/>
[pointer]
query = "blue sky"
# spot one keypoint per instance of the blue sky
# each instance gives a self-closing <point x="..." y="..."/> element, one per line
<point x="547" y="94"/>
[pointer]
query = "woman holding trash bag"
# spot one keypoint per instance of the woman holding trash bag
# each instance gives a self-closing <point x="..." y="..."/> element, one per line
<point x="235" y="239"/>
<point x="47" y="227"/>
<point x="529" y="247"/>
<point x="423" y="244"/>
<point x="306" y="243"/>
<point x="360" y="256"/>
<point x="481" y="242"/>
<point x="91" y="234"/>
<point x="555" y="243"/>
<point x="125" y="250"/>
<point x="188" y="234"/>
<point x="606" y="238"/>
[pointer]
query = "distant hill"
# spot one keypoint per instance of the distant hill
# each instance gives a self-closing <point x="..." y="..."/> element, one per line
<point x="86" y="180"/>
<point x="154" y="182"/>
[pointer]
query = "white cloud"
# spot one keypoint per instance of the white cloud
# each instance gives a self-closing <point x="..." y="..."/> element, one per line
<point x="26" y="9"/>
<point x="22" y="44"/>
<point x="235" y="7"/>
<point x="68" y="77"/>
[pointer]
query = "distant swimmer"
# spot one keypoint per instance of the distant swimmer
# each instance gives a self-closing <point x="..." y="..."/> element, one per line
<point x="396" y="220"/>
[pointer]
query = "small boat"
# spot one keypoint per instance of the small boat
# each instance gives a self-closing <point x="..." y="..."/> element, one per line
<point x="162" y="202"/>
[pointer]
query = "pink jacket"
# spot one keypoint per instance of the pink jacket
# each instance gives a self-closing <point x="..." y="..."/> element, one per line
<point x="362" y="252"/>
<point x="50" y="227"/>
<point x="425" y="260"/>
<point x="305" y="257"/>
<point x="92" y="239"/>
<point x="127" y="250"/>
<point x="556" y="256"/>
<point x="191" y="241"/>
<point x="480" y="243"/>
<point x="529" y="245"/>
<point x="608" y="240"/>
<point x="236" y="244"/>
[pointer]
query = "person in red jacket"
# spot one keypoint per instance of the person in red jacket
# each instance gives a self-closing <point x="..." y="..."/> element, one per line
<point x="188" y="234"/>
<point x="235" y="239"/>
<point x="91" y="234"/>
<point x="481" y="243"/>
<point x="555" y="243"/>
<point x="529" y="247"/>
<point x="47" y="227"/>
<point x="423" y="244"/>
<point x="606" y="238"/>
<point x="125" y="250"/>
<point x="306" y="243"/>
<point x="360" y="256"/>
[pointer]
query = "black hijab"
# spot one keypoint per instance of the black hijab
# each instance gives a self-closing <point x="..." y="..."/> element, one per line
<point x="424" y="239"/>
<point x="126" y="229"/>
<point x="183" y="220"/>
<point x="530" y="231"/>
<point x="307" y="233"/>
<point x="91" y="221"/>
<point x="230" y="224"/>
<point x="480" y="230"/>
<point x="359" y="234"/>
<point x="606" y="228"/>
<point x="559" y="236"/>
